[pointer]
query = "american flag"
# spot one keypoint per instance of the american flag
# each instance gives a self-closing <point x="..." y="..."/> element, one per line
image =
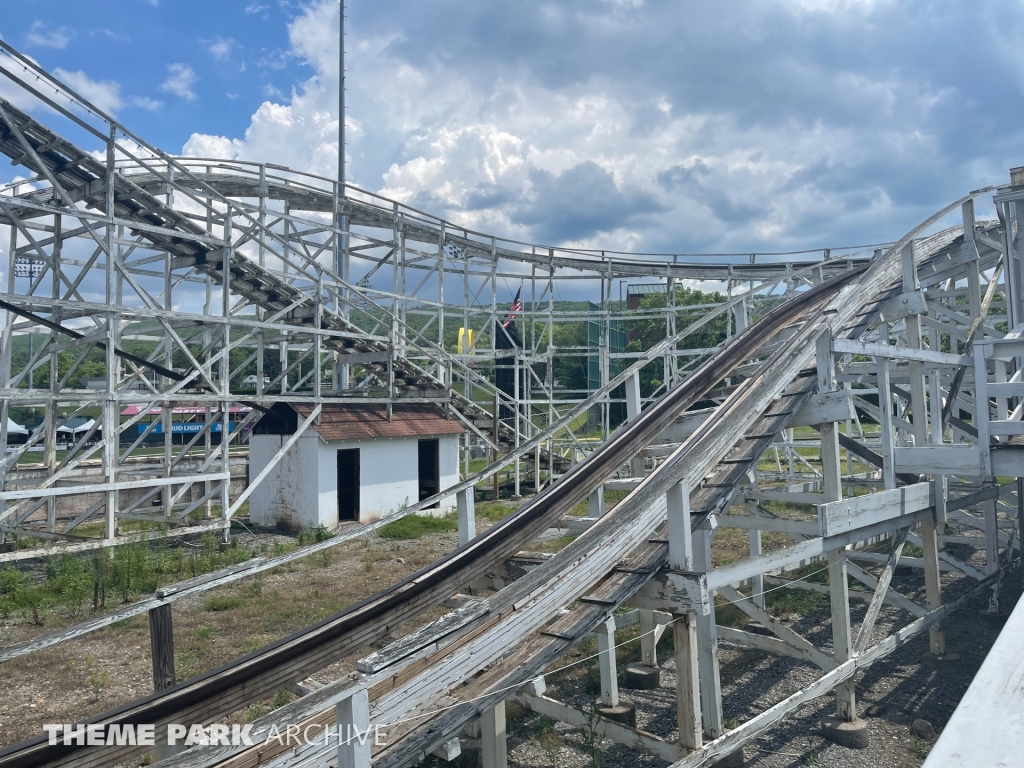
<point x="517" y="306"/>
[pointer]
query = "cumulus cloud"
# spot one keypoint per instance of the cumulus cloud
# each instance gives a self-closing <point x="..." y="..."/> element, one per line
<point x="758" y="124"/>
<point x="220" y="47"/>
<point x="179" y="82"/>
<point x="105" y="94"/>
<point x="40" y="35"/>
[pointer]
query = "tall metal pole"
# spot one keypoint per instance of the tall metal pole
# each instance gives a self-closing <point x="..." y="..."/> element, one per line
<point x="341" y="221"/>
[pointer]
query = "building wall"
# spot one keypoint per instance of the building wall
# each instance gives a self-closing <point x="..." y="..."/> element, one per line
<point x="302" y="490"/>
<point x="288" y="495"/>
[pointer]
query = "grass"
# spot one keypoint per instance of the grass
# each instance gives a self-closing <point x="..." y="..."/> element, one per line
<point x="222" y="603"/>
<point x="74" y="583"/>
<point x="416" y="526"/>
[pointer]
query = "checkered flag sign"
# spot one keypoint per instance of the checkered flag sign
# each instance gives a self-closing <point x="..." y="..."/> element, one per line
<point x="29" y="268"/>
<point x="452" y="251"/>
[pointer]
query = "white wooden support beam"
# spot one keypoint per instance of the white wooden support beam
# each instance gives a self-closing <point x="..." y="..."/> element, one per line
<point x="354" y="732"/>
<point x="888" y="445"/>
<point x="606" y="662"/>
<point x="822" y="407"/>
<point x="842" y="644"/>
<point x="904" y="304"/>
<point x="680" y="534"/>
<point x="493" y="738"/>
<point x="466" y="508"/>
<point x="636" y="464"/>
<point x="911" y="353"/>
<point x="929" y="535"/>
<point x="881" y="589"/>
<point x="940" y="485"/>
<point x="707" y="642"/>
<point x="595" y="502"/>
<point x="688" y="699"/>
<point x="849" y="514"/>
<point x="756" y="582"/>
<point x="648" y="638"/>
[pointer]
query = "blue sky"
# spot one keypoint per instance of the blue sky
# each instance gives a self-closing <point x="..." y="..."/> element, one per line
<point x="649" y="125"/>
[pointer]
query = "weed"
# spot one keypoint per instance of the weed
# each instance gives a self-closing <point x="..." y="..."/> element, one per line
<point x="415" y="526"/>
<point x="281" y="698"/>
<point x="592" y="679"/>
<point x="205" y="633"/>
<point x="188" y="664"/>
<point x="313" y="535"/>
<point x="98" y="680"/>
<point x="920" y="747"/>
<point x="548" y="739"/>
<point x="222" y="603"/>
<point x="591" y="737"/>
<point x="811" y="757"/>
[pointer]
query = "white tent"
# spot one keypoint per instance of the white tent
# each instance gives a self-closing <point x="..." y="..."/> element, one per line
<point x="15" y="429"/>
<point x="77" y="430"/>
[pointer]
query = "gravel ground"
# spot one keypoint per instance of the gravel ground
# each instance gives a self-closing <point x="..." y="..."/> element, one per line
<point x="897" y="689"/>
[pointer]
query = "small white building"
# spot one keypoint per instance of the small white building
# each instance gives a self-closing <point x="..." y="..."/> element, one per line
<point x="351" y="464"/>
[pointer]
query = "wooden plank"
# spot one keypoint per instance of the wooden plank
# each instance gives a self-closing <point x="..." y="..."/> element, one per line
<point x="192" y="584"/>
<point x="847" y="346"/>
<point x="940" y="460"/>
<point x="864" y="634"/>
<point x="824" y="407"/>
<point x="903" y="304"/>
<point x="161" y="644"/>
<point x="675" y="592"/>
<point x="684" y="635"/>
<point x="849" y="514"/>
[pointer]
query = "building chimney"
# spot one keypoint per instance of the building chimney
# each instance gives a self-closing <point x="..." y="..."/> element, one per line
<point x="1017" y="176"/>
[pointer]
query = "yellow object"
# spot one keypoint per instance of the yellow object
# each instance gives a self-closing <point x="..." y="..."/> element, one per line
<point x="466" y="340"/>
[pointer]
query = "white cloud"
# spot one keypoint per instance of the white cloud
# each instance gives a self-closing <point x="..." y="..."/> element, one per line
<point x="220" y="47"/>
<point x="180" y="80"/>
<point x="144" y="102"/>
<point x="105" y="94"/>
<point x="38" y="34"/>
<point x="254" y="8"/>
<point x="624" y="124"/>
<point x="272" y="91"/>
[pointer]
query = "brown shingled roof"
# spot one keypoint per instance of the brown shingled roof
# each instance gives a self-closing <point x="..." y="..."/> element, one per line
<point x="361" y="422"/>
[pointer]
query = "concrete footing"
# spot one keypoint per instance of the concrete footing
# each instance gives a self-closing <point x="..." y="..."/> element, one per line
<point x="624" y="712"/>
<point x="640" y="677"/>
<point x="852" y="734"/>
<point x="948" y="660"/>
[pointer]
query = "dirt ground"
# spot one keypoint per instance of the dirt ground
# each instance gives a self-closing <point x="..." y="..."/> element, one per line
<point x="112" y="666"/>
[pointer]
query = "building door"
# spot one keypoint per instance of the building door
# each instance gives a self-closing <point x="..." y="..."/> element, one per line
<point x="348" y="484"/>
<point x="429" y="470"/>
